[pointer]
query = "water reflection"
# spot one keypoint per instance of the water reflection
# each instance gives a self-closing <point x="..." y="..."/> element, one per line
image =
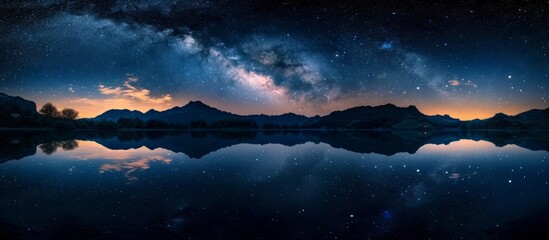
<point x="126" y="161"/>
<point x="269" y="185"/>
<point x="460" y="147"/>
<point x="51" y="147"/>
<point x="196" y="144"/>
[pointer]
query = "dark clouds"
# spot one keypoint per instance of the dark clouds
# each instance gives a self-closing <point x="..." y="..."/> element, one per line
<point x="280" y="56"/>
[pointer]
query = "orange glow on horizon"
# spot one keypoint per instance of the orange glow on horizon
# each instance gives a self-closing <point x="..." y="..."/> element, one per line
<point x="470" y="112"/>
<point x="91" y="107"/>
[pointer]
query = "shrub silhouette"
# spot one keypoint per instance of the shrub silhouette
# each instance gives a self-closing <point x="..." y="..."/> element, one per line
<point x="49" y="110"/>
<point x="69" y="113"/>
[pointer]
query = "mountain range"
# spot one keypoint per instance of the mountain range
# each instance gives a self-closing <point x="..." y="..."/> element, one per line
<point x="198" y="111"/>
<point x="386" y="116"/>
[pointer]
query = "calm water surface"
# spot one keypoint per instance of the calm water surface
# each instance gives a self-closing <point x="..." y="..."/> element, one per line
<point x="274" y="185"/>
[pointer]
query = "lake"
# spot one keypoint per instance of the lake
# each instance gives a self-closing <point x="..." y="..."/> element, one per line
<point x="274" y="185"/>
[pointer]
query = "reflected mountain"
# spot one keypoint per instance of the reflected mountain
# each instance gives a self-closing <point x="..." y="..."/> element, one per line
<point x="19" y="144"/>
<point x="196" y="144"/>
<point x="14" y="149"/>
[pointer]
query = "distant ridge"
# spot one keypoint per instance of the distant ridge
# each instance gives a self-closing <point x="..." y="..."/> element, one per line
<point x="16" y="111"/>
<point x="115" y="114"/>
<point x="193" y="111"/>
<point x="388" y="116"/>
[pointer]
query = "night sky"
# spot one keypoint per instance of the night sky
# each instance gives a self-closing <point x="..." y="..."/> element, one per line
<point x="469" y="59"/>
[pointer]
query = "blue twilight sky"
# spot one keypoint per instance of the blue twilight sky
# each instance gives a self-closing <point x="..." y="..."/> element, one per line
<point x="467" y="59"/>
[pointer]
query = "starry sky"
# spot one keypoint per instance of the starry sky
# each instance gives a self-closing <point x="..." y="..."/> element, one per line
<point x="469" y="59"/>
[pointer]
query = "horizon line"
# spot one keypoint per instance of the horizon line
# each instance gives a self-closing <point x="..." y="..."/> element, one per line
<point x="200" y="101"/>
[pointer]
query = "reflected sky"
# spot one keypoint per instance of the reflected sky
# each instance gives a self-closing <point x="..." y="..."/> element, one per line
<point x="130" y="160"/>
<point x="126" y="161"/>
<point x="467" y="188"/>
<point x="461" y="146"/>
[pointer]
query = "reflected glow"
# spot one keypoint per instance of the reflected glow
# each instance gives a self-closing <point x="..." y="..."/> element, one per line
<point x="461" y="146"/>
<point x="464" y="110"/>
<point x="132" y="165"/>
<point x="127" y="161"/>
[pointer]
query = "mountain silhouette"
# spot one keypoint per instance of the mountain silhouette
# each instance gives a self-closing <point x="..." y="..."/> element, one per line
<point x="193" y="111"/>
<point x="16" y="111"/>
<point x="532" y="119"/>
<point x="198" y="111"/>
<point x="367" y="117"/>
<point x="385" y="116"/>
<point x="115" y="114"/>
<point x="388" y="116"/>
<point x="16" y="105"/>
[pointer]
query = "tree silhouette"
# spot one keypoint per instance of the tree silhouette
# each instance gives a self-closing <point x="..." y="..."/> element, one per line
<point x="68" y="145"/>
<point x="49" y="148"/>
<point x="69" y="113"/>
<point x="49" y="110"/>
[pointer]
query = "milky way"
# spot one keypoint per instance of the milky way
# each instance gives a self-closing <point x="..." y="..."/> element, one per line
<point x="466" y="59"/>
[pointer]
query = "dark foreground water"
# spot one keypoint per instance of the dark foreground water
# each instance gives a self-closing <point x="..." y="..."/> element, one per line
<point x="274" y="185"/>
